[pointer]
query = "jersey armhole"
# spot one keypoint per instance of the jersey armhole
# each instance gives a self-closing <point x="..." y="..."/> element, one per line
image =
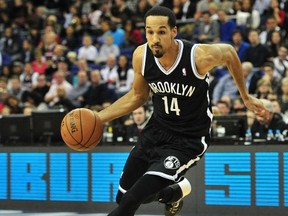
<point x="144" y="59"/>
<point x="194" y="68"/>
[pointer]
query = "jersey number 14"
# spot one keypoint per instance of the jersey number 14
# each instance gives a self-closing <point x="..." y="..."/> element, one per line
<point x="173" y="105"/>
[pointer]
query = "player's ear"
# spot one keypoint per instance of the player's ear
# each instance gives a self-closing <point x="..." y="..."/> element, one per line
<point x="174" y="32"/>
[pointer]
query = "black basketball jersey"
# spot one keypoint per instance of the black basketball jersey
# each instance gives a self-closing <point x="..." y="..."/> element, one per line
<point x="180" y="94"/>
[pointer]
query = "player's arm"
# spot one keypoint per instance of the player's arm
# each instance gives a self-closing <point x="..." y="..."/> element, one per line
<point x="208" y="56"/>
<point x="136" y="97"/>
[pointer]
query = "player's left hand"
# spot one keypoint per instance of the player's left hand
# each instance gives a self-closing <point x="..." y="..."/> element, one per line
<point x="255" y="105"/>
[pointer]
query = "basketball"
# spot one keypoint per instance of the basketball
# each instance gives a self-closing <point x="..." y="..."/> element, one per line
<point x="81" y="129"/>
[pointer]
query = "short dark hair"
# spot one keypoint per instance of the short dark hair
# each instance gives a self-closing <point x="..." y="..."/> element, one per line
<point x="269" y="64"/>
<point x="162" y="11"/>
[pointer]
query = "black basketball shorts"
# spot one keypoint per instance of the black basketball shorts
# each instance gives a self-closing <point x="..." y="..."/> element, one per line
<point x="168" y="156"/>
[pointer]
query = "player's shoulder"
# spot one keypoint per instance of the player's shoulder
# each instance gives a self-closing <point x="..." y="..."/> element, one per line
<point x="138" y="57"/>
<point x="139" y="51"/>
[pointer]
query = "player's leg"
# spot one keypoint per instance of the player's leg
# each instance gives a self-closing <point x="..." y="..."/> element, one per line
<point x="133" y="170"/>
<point x="172" y="196"/>
<point x="147" y="186"/>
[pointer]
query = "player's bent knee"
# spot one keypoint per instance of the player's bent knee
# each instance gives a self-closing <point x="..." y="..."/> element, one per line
<point x="119" y="197"/>
<point x="130" y="201"/>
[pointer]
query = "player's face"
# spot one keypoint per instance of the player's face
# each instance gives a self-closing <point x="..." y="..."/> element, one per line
<point x="159" y="35"/>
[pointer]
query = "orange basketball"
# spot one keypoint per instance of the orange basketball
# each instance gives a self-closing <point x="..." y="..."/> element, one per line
<point x="81" y="129"/>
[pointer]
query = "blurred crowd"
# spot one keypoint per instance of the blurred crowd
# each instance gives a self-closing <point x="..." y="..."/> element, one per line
<point x="77" y="53"/>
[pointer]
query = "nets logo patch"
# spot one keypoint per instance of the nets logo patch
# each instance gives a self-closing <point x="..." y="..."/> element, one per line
<point x="171" y="162"/>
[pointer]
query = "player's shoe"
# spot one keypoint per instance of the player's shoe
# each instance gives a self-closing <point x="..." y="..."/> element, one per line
<point x="173" y="209"/>
<point x="181" y="189"/>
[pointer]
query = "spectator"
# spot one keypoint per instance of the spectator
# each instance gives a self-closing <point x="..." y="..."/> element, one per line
<point x="42" y="86"/>
<point x="125" y="74"/>
<point x="270" y="26"/>
<point x="63" y="101"/>
<point x="59" y="54"/>
<point x="37" y="19"/>
<point x="283" y="99"/>
<point x="227" y="26"/>
<point x="238" y="106"/>
<point x="76" y="23"/>
<point x="98" y="92"/>
<point x="6" y="71"/>
<point x="213" y="10"/>
<point x="33" y="101"/>
<point x="68" y="16"/>
<point x="251" y="76"/>
<point x="49" y="43"/>
<point x="39" y="65"/>
<point x="72" y="62"/>
<point x="120" y="11"/>
<point x="3" y="82"/>
<point x="281" y="61"/>
<point x="70" y="38"/>
<point x="16" y="68"/>
<point x="208" y="30"/>
<point x="109" y="72"/>
<point x="239" y="44"/>
<point x="236" y="7"/>
<point x="264" y="88"/>
<point x="63" y="66"/>
<point x="247" y="18"/>
<point x="27" y="51"/>
<point x="224" y="107"/>
<point x="76" y="95"/>
<point x="277" y="109"/>
<point x="188" y="9"/>
<point x="28" y="77"/>
<point x="99" y="9"/>
<point x="261" y="6"/>
<point x="274" y="78"/>
<point x="15" y="88"/>
<point x="133" y="36"/>
<point x="256" y="53"/>
<point x="85" y="24"/>
<point x="59" y="81"/>
<point x="109" y="27"/>
<point x="12" y="105"/>
<point x="34" y="36"/>
<point x="52" y="21"/>
<point x="106" y="49"/>
<point x="261" y="125"/>
<point x="276" y="42"/>
<point x="142" y="6"/>
<point x="186" y="29"/>
<point x="10" y="44"/>
<point x="3" y="93"/>
<point x="83" y="65"/>
<point x="201" y="7"/>
<point x="88" y="51"/>
<point x="176" y="6"/>
<point x="227" y="6"/>
<point x="139" y="119"/>
<point x="275" y="11"/>
<point x="225" y="86"/>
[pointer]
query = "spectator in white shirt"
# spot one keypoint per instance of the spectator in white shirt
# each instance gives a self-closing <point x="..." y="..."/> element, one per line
<point x="281" y="61"/>
<point x="59" y="82"/>
<point x="88" y="51"/>
<point x="107" y="48"/>
<point x="109" y="73"/>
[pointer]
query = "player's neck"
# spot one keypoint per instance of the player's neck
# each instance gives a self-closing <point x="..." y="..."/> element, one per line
<point x="170" y="57"/>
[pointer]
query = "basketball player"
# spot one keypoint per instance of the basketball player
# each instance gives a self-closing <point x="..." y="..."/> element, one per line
<point x="177" y="134"/>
